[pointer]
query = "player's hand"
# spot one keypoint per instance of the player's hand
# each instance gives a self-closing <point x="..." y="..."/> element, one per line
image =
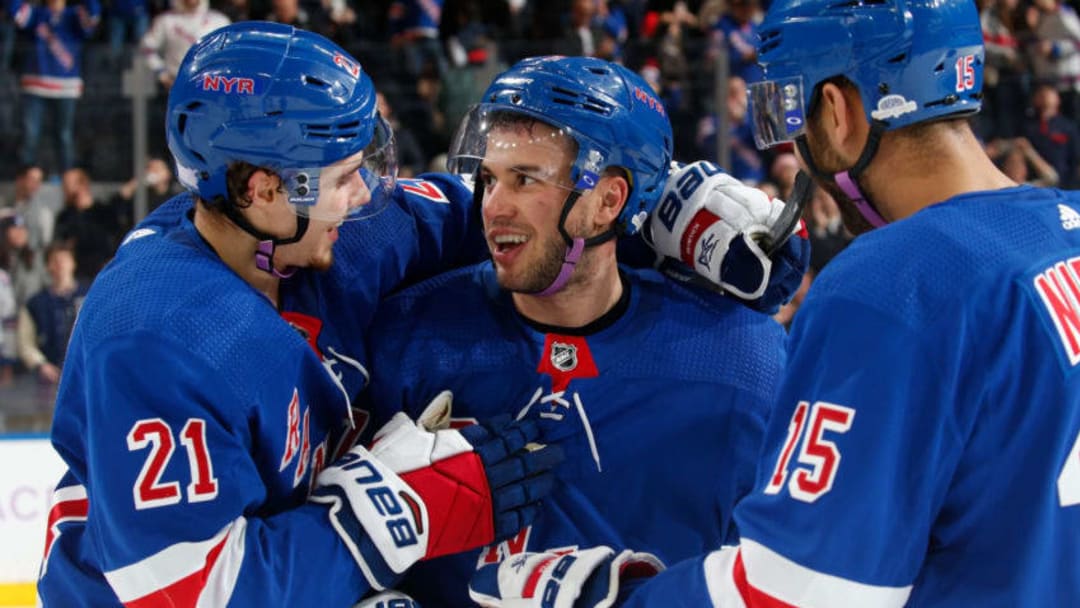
<point x="588" y="578"/>
<point x="388" y="599"/>
<point x="731" y="235"/>
<point x="423" y="491"/>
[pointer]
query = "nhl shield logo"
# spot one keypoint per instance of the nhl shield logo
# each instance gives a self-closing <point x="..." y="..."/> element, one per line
<point x="564" y="356"/>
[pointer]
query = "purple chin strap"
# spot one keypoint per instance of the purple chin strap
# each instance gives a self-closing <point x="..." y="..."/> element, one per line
<point x="264" y="260"/>
<point x="573" y="254"/>
<point x="851" y="189"/>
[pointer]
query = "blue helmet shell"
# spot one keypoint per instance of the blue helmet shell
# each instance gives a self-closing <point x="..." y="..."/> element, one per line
<point x="611" y="112"/>
<point x="912" y="60"/>
<point x="267" y="94"/>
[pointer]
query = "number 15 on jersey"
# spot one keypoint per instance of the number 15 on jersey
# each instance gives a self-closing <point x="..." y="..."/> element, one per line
<point x="819" y="456"/>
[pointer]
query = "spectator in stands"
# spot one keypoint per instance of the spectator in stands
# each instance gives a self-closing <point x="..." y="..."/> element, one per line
<point x="8" y="310"/>
<point x="46" y="321"/>
<point x="613" y="23"/>
<point x="1055" y="50"/>
<point x="308" y="16"/>
<point x="160" y="187"/>
<point x="1055" y="137"/>
<point x="414" y="32"/>
<point x="173" y="32"/>
<point x="51" y="79"/>
<point x="1018" y="159"/>
<point x="825" y="229"/>
<point x="411" y="158"/>
<point x="782" y="172"/>
<point x="31" y="206"/>
<point x="736" y="33"/>
<point x="1005" y="70"/>
<point x="746" y="162"/>
<point x="126" y="22"/>
<point x="92" y="229"/>
<point x="24" y="265"/>
<point x="582" y="36"/>
<point x="671" y="26"/>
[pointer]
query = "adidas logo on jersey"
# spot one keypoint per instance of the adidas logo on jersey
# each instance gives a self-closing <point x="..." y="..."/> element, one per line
<point x="1070" y="218"/>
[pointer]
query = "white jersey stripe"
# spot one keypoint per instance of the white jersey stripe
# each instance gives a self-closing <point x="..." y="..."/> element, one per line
<point x="720" y="580"/>
<point x="179" y="561"/>
<point x="787" y="581"/>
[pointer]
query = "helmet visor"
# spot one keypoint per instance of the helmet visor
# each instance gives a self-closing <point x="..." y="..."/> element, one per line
<point x="506" y="138"/>
<point x="350" y="189"/>
<point x="777" y="110"/>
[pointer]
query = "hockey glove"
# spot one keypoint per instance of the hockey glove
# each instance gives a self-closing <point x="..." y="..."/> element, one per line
<point x="731" y="235"/>
<point x="421" y="493"/>
<point x="388" y="599"/>
<point x="589" y="578"/>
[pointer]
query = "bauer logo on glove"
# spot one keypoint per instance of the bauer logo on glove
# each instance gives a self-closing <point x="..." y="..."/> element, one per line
<point x="723" y="229"/>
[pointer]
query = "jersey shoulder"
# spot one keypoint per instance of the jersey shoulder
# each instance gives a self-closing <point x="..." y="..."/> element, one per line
<point x="968" y="247"/>
<point x="169" y="284"/>
<point x="706" y="336"/>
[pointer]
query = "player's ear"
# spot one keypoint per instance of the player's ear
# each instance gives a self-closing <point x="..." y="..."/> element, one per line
<point x="613" y="190"/>
<point x="843" y="120"/>
<point x="262" y="187"/>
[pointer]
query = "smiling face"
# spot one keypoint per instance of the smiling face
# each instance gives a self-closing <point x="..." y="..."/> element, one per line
<point x="341" y="189"/>
<point x="526" y="179"/>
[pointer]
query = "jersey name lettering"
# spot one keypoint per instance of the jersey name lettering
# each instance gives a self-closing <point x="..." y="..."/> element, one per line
<point x="1059" y="289"/>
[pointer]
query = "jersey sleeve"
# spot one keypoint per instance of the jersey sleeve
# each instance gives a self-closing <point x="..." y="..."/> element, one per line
<point x="857" y="459"/>
<point x="428" y="227"/>
<point x="175" y="493"/>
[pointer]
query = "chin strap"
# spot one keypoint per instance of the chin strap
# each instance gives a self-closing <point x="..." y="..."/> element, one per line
<point x="575" y="246"/>
<point x="264" y="252"/>
<point x="847" y="180"/>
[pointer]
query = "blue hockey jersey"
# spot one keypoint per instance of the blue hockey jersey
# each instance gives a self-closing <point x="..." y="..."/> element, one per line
<point x="925" y="449"/>
<point x="660" y="407"/>
<point x="193" y="416"/>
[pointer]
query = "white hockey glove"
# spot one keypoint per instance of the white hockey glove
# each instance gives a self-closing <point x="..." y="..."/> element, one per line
<point x="725" y="231"/>
<point x="388" y="599"/>
<point x="588" y="578"/>
<point x="421" y="493"/>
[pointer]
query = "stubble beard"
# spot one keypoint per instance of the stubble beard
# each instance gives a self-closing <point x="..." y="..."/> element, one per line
<point x="829" y="164"/>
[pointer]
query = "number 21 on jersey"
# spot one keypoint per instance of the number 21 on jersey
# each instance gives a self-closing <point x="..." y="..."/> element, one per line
<point x="820" y="456"/>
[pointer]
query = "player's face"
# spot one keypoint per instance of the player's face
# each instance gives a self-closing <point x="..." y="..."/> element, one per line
<point x="526" y="178"/>
<point x="341" y="189"/>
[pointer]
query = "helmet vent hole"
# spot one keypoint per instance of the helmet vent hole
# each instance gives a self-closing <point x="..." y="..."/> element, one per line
<point x="181" y="123"/>
<point x="899" y="58"/>
<point x="201" y="158"/>
<point x="314" y="81"/>
<point x="599" y="71"/>
<point x="275" y="113"/>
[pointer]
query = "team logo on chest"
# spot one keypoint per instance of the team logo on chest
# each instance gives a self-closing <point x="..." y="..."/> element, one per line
<point x="563" y="356"/>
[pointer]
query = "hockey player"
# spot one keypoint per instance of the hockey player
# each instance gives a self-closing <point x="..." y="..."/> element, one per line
<point x="925" y="447"/>
<point x="646" y="384"/>
<point x="195" y="419"/>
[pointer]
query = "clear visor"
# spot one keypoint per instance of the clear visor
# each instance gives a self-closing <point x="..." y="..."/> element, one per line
<point x="499" y="139"/>
<point x="777" y="110"/>
<point x="354" y="188"/>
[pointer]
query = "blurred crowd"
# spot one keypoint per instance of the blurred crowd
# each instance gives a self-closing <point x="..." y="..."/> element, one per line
<point x="430" y="60"/>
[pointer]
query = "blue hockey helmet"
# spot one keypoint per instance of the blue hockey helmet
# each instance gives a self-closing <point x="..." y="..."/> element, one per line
<point x="610" y="112"/>
<point x="280" y="98"/>
<point x="912" y="61"/>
